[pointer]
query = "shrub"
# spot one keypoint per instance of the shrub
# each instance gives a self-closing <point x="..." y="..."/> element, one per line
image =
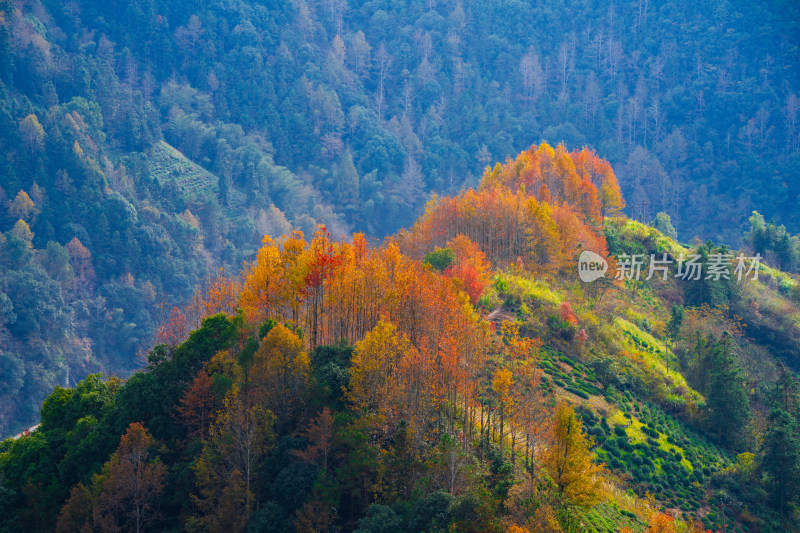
<point x="578" y="392"/>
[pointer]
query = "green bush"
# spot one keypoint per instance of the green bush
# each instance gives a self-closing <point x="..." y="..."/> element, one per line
<point x="578" y="392"/>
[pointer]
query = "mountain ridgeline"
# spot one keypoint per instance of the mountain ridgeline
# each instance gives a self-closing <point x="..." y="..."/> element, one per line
<point x="455" y="377"/>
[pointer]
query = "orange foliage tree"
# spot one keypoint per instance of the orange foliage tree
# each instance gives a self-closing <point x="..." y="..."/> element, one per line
<point x="470" y="267"/>
<point x="196" y="407"/>
<point x="123" y="496"/>
<point x="348" y="291"/>
<point x="540" y="210"/>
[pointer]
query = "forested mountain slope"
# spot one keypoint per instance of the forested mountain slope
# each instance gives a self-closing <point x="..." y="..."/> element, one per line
<point x="456" y="377"/>
<point x="694" y="102"/>
<point x="148" y="143"/>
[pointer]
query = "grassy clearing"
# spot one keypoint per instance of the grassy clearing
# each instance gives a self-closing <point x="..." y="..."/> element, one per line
<point x="527" y="288"/>
<point x="652" y="352"/>
<point x="632" y="230"/>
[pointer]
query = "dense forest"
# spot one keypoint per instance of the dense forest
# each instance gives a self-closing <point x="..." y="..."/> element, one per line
<point x="456" y="377"/>
<point x="353" y="96"/>
<point x="150" y="143"/>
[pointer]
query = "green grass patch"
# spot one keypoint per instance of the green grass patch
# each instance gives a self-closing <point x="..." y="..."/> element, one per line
<point x="651" y="350"/>
<point x="526" y="288"/>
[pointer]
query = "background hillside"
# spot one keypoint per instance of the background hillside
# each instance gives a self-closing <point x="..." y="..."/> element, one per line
<point x="694" y="102"/>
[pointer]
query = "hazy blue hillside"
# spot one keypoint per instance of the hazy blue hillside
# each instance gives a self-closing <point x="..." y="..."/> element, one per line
<point x="694" y="102"/>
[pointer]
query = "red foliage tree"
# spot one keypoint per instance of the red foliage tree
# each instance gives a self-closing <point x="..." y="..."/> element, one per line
<point x="175" y="329"/>
<point x="196" y="407"/>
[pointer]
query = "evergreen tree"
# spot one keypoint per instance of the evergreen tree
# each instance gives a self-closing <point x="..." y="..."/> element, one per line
<point x="675" y="321"/>
<point x="786" y="393"/>
<point x="347" y="181"/>
<point x="781" y="461"/>
<point x="729" y="408"/>
<point x="715" y="286"/>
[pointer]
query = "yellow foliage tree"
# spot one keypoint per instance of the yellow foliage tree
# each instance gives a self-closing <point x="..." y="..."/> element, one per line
<point x="22" y="231"/>
<point x="32" y="133"/>
<point x="280" y="373"/>
<point x="22" y="206"/>
<point x="375" y="370"/>
<point x="568" y="460"/>
<point x="501" y="383"/>
<point x="262" y="289"/>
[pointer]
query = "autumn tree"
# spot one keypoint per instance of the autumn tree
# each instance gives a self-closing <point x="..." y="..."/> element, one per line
<point x="502" y="383"/>
<point x="22" y="207"/>
<point x="174" y="330"/>
<point x="264" y="285"/>
<point x="23" y="232"/>
<point x="470" y="266"/>
<point x="567" y="314"/>
<point x="196" y="406"/>
<point x="661" y="523"/>
<point x="124" y="495"/>
<point x="375" y="379"/>
<point x="131" y="484"/>
<point x="76" y="514"/>
<point x="532" y="412"/>
<point x="536" y="211"/>
<point x="221" y="294"/>
<point x="320" y="435"/>
<point x="294" y="260"/>
<point x="240" y="436"/>
<point x="280" y="374"/>
<point x="568" y="460"/>
<point x="81" y="260"/>
<point x="325" y="259"/>
<point x="32" y="133"/>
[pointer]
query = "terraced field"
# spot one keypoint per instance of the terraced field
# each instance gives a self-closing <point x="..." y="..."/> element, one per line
<point x="167" y="164"/>
<point x="655" y="452"/>
<point x="196" y="184"/>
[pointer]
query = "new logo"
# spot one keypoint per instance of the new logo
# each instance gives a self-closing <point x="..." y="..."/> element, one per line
<point x="591" y="266"/>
